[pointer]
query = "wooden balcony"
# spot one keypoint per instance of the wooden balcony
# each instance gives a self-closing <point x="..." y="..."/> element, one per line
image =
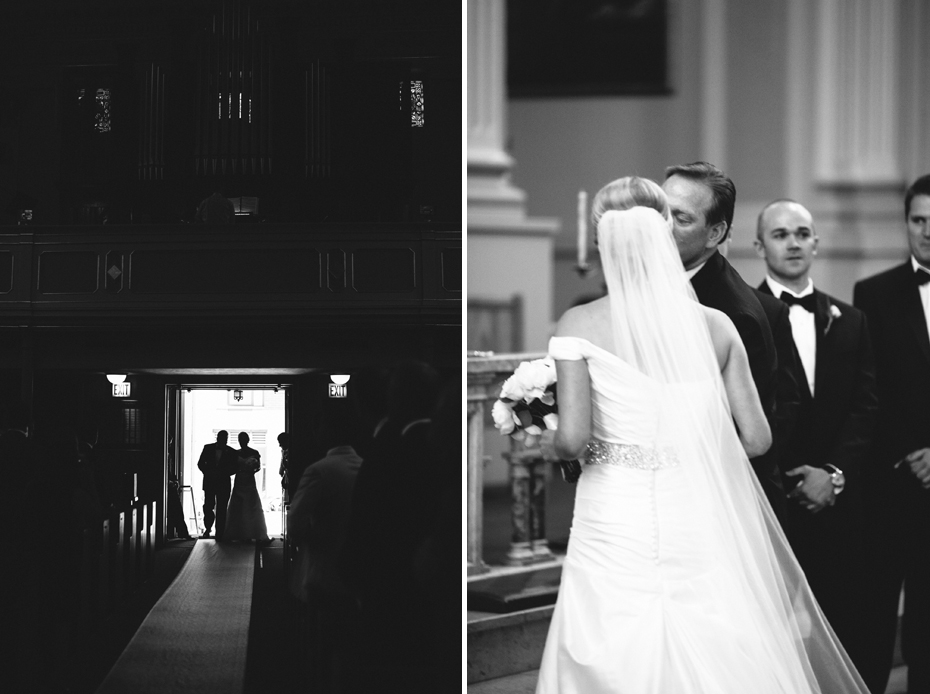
<point x="285" y="275"/>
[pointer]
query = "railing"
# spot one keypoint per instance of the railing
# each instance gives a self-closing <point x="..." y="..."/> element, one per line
<point x="124" y="275"/>
<point x="527" y="472"/>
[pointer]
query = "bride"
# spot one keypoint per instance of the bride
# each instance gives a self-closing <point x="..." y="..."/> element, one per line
<point x="678" y="578"/>
<point x="245" y="518"/>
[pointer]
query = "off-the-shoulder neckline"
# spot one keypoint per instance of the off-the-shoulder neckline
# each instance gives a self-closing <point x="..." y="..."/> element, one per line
<point x="601" y="349"/>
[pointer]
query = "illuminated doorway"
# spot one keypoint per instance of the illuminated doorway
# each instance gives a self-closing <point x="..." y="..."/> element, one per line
<point x="261" y="412"/>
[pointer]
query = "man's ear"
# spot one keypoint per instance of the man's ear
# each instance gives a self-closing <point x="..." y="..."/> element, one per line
<point x="760" y="249"/>
<point x="718" y="232"/>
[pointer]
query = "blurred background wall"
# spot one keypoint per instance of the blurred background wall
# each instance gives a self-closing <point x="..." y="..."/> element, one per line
<point x="822" y="101"/>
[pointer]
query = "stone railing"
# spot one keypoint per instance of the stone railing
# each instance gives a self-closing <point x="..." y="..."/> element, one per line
<point x="527" y="472"/>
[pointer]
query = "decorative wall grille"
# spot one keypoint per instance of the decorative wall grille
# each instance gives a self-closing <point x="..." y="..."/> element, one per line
<point x="102" y="116"/>
<point x="152" y="126"/>
<point x="318" y="146"/>
<point x="233" y="108"/>
<point x="133" y="426"/>
<point x="417" y="116"/>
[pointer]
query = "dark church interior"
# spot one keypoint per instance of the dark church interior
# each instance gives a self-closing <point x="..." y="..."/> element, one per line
<point x="229" y="196"/>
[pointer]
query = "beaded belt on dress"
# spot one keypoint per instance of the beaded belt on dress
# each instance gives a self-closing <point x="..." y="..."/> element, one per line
<point x="629" y="455"/>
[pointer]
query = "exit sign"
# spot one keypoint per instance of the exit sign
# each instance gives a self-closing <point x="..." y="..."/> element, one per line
<point x="337" y="391"/>
<point x="121" y="390"/>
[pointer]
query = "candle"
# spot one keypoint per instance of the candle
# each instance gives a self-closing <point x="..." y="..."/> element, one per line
<point x="582" y="228"/>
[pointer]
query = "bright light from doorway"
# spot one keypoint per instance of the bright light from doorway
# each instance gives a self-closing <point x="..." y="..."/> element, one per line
<point x="261" y="414"/>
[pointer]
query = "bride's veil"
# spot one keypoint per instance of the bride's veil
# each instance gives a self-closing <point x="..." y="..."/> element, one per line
<point x="758" y="586"/>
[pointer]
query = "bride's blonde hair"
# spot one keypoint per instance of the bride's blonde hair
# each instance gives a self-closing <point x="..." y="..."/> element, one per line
<point x="628" y="192"/>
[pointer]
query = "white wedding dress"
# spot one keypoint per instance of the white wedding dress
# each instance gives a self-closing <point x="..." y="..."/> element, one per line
<point x="678" y="578"/>
<point x="245" y="515"/>
<point x="668" y="587"/>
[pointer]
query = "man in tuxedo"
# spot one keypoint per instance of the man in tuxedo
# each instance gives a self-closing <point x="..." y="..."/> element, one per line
<point x="829" y="445"/>
<point x="787" y="392"/>
<point x="787" y="382"/>
<point x="702" y="198"/>
<point x="217" y="462"/>
<point x="897" y="303"/>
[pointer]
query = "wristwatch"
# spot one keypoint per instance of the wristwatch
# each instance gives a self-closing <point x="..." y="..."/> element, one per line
<point x="836" y="477"/>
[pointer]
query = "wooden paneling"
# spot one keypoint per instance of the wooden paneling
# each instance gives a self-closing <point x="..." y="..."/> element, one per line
<point x="384" y="270"/>
<point x="68" y="272"/>
<point x="225" y="271"/>
<point x="6" y="272"/>
<point x="148" y="275"/>
<point x="452" y="269"/>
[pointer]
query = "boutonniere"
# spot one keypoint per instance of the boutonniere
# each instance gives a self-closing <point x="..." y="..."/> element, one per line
<point x="833" y="314"/>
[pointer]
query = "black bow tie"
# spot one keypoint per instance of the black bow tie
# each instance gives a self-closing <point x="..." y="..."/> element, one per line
<point x="921" y="276"/>
<point x="806" y="302"/>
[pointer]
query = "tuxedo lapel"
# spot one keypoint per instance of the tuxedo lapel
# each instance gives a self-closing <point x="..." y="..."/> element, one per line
<point x="823" y="325"/>
<point x="821" y="315"/>
<point x="706" y="278"/>
<point x="914" y="311"/>
<point x="804" y="390"/>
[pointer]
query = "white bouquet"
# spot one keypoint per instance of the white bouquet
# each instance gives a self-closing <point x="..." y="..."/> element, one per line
<point x="527" y="406"/>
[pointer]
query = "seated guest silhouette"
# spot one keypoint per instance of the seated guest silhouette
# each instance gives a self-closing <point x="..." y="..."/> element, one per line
<point x="437" y="563"/>
<point x="319" y="512"/>
<point x="393" y="504"/>
<point x="317" y="520"/>
<point x="217" y="462"/>
<point x="216" y="209"/>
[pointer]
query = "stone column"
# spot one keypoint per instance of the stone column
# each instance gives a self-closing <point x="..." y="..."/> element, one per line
<point x="500" y="234"/>
<point x="485" y="375"/>
<point x="528" y="476"/>
<point x="490" y="191"/>
<point x="475" y="480"/>
<point x="857" y="99"/>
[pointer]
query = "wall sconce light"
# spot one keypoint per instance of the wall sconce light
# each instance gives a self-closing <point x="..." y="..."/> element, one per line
<point x="116" y="378"/>
<point x="339" y="379"/>
<point x="237" y="395"/>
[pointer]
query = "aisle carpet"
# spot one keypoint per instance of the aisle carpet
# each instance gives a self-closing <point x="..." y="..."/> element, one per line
<point x="196" y="637"/>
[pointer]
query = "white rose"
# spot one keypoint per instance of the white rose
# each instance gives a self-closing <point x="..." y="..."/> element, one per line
<point x="551" y="421"/>
<point x="512" y="390"/>
<point x="502" y="414"/>
<point x="534" y="377"/>
<point x="533" y="430"/>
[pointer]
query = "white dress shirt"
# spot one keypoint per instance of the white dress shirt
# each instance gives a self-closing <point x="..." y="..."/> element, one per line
<point x="695" y="270"/>
<point x="924" y="290"/>
<point x="803" y="328"/>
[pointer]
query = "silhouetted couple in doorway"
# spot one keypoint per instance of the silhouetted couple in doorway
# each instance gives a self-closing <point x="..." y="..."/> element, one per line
<point x="235" y="507"/>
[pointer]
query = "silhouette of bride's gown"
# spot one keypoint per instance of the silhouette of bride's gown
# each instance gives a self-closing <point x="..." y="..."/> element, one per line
<point x="245" y="517"/>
